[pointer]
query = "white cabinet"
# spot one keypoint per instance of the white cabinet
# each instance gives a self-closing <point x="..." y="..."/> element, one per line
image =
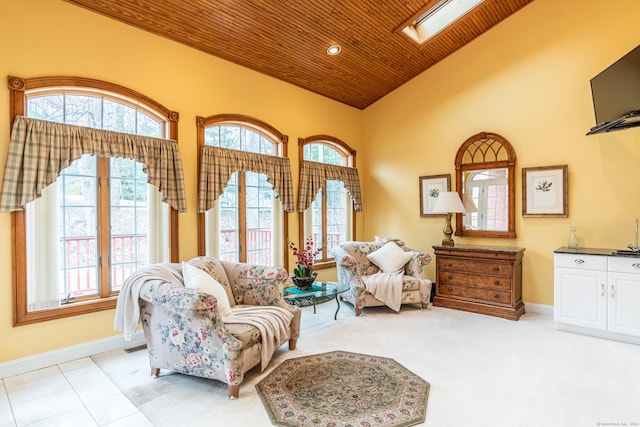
<point x="624" y="295"/>
<point x="580" y="283"/>
<point x="597" y="295"/>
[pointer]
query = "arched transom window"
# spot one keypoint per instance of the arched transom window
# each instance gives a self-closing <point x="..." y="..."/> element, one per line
<point x="245" y="222"/>
<point x="329" y="218"/>
<point x="100" y="220"/>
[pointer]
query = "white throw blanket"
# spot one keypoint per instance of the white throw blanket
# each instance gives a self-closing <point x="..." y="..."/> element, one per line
<point x="272" y="322"/>
<point x="386" y="287"/>
<point x="127" y="310"/>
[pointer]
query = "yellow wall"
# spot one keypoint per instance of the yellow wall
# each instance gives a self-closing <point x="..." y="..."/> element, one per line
<point x="52" y="37"/>
<point x="527" y="79"/>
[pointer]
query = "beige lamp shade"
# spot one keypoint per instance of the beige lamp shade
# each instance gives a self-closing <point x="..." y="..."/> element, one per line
<point x="448" y="202"/>
<point x="469" y="204"/>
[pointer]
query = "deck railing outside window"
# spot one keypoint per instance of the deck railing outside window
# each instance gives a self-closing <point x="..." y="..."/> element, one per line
<point x="128" y="252"/>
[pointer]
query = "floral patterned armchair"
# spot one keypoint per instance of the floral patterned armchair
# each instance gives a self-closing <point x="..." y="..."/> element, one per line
<point x="352" y="264"/>
<point x="185" y="332"/>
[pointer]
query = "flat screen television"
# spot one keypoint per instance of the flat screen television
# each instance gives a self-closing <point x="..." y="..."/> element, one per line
<point x="616" y="94"/>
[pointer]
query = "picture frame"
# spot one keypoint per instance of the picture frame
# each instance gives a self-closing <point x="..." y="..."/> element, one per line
<point x="430" y="187"/>
<point x="544" y="192"/>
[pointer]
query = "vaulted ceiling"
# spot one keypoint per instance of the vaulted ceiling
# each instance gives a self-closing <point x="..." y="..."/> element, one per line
<point x="288" y="39"/>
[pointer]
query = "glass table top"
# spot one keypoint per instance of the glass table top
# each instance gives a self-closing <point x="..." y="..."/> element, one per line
<point x="319" y="290"/>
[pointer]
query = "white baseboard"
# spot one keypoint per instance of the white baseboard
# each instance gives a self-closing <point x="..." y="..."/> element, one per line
<point x="67" y="354"/>
<point x="532" y="307"/>
<point x="544" y="309"/>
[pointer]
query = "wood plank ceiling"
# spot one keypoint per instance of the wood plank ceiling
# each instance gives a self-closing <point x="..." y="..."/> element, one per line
<point x="288" y="39"/>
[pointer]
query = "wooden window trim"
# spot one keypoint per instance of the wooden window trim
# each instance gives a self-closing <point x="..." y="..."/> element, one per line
<point x="259" y="127"/>
<point x="343" y="148"/>
<point x="18" y="89"/>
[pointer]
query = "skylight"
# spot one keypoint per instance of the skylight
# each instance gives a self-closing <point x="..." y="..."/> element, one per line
<point x="436" y="16"/>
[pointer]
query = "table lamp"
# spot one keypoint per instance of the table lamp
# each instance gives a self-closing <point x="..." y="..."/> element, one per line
<point x="469" y="204"/>
<point x="448" y="203"/>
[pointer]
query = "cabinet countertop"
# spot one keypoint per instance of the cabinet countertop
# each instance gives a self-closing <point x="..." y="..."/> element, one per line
<point x="590" y="251"/>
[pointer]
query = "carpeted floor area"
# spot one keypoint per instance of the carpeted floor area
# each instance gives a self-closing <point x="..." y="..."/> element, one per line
<point x="484" y="371"/>
<point x="343" y="389"/>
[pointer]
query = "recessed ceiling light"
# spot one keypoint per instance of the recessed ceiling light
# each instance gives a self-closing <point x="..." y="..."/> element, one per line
<point x="334" y="49"/>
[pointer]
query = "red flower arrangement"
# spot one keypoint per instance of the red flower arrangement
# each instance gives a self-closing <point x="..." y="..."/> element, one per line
<point x="306" y="257"/>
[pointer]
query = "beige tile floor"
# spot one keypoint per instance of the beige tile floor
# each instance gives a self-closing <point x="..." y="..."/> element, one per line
<point x="483" y="371"/>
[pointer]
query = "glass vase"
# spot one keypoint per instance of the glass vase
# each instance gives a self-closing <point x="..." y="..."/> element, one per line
<point x="573" y="239"/>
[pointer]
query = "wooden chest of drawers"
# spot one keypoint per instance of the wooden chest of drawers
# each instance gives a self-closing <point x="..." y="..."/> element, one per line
<point x="481" y="279"/>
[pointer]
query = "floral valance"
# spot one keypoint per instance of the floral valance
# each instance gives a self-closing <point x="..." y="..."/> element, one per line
<point x="313" y="176"/>
<point x="39" y="150"/>
<point x="217" y="164"/>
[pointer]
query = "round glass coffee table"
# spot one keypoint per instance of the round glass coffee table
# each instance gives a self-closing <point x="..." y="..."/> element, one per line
<point x="319" y="293"/>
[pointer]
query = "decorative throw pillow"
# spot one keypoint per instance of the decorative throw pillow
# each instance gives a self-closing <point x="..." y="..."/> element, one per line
<point x="214" y="267"/>
<point x="202" y="281"/>
<point x="390" y="258"/>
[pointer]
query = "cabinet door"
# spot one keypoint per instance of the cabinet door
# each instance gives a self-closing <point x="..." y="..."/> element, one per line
<point x="624" y="303"/>
<point x="580" y="297"/>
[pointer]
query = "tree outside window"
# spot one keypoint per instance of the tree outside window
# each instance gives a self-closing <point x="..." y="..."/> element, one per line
<point x="329" y="220"/>
<point x="100" y="220"/>
<point x="247" y="222"/>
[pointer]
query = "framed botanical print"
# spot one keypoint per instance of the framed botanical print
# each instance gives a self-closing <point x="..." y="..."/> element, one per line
<point x="430" y="187"/>
<point x="544" y="191"/>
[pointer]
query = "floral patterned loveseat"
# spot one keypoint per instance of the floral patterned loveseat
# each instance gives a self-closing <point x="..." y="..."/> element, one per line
<point x="185" y="333"/>
<point x="352" y="264"/>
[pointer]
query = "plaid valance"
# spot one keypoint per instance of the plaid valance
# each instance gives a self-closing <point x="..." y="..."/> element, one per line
<point x="217" y="164"/>
<point x="39" y="150"/>
<point x="313" y="176"/>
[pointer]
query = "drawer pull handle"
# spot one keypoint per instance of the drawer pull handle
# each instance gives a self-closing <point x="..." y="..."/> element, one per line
<point x="449" y="289"/>
<point x="496" y="269"/>
<point x="496" y="282"/>
<point x="449" y="277"/>
<point x="496" y="296"/>
<point x="449" y="265"/>
<point x="602" y="289"/>
<point x="636" y="265"/>
<point x="579" y="261"/>
<point x="612" y="291"/>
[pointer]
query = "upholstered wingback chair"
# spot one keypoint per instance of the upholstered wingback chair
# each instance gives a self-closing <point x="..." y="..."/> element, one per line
<point x="352" y="265"/>
<point x="186" y="332"/>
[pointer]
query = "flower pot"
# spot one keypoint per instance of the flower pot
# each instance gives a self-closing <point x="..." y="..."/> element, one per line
<point x="304" y="283"/>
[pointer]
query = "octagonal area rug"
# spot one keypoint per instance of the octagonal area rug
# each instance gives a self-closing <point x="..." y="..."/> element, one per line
<point x="340" y="389"/>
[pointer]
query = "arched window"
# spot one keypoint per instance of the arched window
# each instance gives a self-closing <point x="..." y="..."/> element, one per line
<point x="241" y="192"/>
<point x="100" y="220"/>
<point x="328" y="208"/>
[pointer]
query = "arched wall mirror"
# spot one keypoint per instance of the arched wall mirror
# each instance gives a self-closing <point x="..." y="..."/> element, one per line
<point x="485" y="180"/>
